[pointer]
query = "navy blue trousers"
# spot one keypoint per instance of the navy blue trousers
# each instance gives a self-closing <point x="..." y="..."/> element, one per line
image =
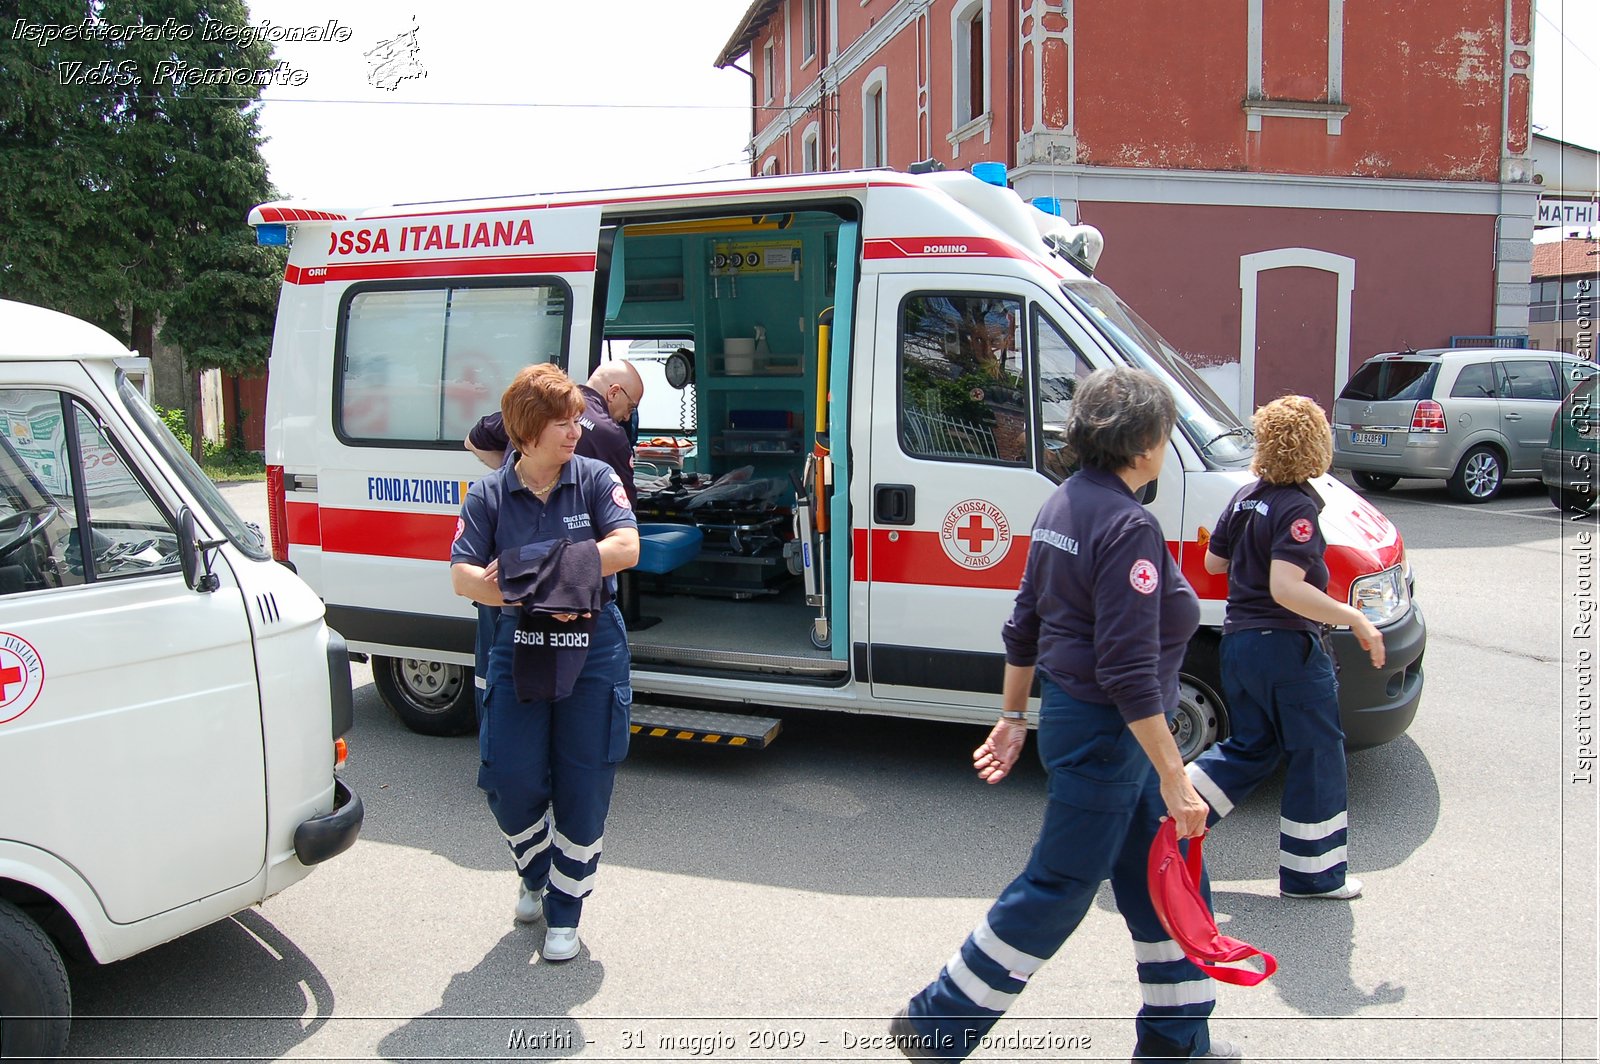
<point x="1283" y="702"/>
<point x="1104" y="807"/>
<point x="548" y="767"/>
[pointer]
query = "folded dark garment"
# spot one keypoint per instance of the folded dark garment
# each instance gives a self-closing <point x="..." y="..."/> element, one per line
<point x="544" y="579"/>
<point x="548" y="655"/>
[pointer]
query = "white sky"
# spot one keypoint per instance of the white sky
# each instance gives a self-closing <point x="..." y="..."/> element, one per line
<point x="667" y="114"/>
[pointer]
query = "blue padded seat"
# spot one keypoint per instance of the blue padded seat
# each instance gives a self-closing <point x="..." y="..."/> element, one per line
<point x="664" y="547"/>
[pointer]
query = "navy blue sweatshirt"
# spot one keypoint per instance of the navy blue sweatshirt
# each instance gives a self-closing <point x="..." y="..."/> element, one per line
<point x="1103" y="610"/>
<point x="1261" y="524"/>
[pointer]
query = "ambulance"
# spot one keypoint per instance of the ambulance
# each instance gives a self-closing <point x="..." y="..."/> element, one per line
<point x="171" y="701"/>
<point x="860" y="384"/>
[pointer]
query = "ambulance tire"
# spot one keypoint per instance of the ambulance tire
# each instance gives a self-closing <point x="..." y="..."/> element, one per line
<point x="1202" y="717"/>
<point x="33" y="983"/>
<point x="429" y="697"/>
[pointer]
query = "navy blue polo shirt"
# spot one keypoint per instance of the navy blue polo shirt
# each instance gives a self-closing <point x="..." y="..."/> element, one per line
<point x="1103" y="610"/>
<point x="1261" y="524"/>
<point x="602" y="437"/>
<point x="501" y="514"/>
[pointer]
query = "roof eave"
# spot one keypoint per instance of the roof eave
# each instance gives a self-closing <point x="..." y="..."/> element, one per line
<point x="754" y="18"/>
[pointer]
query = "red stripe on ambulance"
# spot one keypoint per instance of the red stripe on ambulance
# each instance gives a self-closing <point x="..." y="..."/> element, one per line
<point x="941" y="247"/>
<point x="386" y="534"/>
<point x="466" y="267"/>
<point x="304" y="525"/>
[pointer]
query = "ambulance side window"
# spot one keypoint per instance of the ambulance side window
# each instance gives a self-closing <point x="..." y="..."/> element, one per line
<point x="963" y="378"/>
<point x="44" y="489"/>
<point x="422" y="363"/>
<point x="1061" y="370"/>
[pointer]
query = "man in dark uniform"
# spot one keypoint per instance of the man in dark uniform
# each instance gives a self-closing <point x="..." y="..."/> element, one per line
<point x="611" y="401"/>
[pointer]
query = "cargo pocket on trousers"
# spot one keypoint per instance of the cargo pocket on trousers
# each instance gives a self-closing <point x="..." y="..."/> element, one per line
<point x="1083" y="791"/>
<point x="621" y="719"/>
<point x="1308" y="712"/>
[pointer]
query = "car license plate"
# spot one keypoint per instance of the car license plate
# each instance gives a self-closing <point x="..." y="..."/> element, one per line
<point x="1370" y="439"/>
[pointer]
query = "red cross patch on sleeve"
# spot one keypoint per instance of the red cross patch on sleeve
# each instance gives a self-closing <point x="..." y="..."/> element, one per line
<point x="1300" y="531"/>
<point x="1143" y="577"/>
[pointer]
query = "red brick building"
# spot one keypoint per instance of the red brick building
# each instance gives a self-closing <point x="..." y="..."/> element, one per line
<point x="1284" y="188"/>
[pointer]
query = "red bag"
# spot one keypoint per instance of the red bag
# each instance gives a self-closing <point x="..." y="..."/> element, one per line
<point x="1175" y="893"/>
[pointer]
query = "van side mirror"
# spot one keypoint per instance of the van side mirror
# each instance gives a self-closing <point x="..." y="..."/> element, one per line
<point x="194" y="554"/>
<point x="1147" y="494"/>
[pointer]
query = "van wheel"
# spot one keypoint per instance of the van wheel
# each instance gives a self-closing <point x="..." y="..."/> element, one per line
<point x="1479" y="476"/>
<point x="33" y="983"/>
<point x="1373" y="481"/>
<point x="1201" y="719"/>
<point x="429" y="697"/>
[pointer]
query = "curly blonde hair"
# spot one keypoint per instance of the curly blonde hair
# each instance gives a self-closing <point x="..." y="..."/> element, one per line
<point x="1293" y="441"/>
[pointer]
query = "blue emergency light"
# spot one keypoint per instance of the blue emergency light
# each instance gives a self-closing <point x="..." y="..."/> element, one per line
<point x="272" y="236"/>
<point x="1048" y="204"/>
<point x="990" y="173"/>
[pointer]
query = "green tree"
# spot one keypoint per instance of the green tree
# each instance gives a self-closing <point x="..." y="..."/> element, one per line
<point x="123" y="198"/>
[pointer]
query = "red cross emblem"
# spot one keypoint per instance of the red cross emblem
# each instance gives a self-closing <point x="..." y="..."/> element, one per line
<point x="21" y="676"/>
<point x="975" y="534"/>
<point x="1143" y="577"/>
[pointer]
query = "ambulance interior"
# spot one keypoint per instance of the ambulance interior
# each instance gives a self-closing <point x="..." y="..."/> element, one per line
<point x="727" y="321"/>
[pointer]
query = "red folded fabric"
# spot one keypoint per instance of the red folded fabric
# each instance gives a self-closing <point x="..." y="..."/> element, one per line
<point x="1175" y="893"/>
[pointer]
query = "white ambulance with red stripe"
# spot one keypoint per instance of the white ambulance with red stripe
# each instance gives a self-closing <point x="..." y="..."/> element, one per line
<point x="871" y="398"/>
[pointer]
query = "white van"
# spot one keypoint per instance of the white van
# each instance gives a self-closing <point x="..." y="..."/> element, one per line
<point x="171" y="702"/>
<point x="886" y="359"/>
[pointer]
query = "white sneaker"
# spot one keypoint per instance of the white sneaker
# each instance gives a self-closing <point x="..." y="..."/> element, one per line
<point x="560" y="944"/>
<point x="530" y="905"/>
<point x="1221" y="1050"/>
<point x="1350" y="889"/>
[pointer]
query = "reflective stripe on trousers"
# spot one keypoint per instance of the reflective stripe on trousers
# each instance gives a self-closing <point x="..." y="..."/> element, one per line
<point x="1102" y="814"/>
<point x="547" y="768"/>
<point x="1283" y="701"/>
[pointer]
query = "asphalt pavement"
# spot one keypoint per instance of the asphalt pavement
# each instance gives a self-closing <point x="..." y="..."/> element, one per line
<point x="779" y="905"/>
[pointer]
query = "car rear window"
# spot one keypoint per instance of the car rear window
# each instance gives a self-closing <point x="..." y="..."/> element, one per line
<point x="1392" y="379"/>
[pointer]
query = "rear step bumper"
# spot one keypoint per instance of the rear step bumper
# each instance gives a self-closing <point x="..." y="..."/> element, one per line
<point x="704" y="726"/>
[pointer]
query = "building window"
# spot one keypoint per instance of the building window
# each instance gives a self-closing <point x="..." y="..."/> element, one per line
<point x="768" y="57"/>
<point x="874" y="124"/>
<point x="808" y="29"/>
<point x="770" y="167"/>
<point x="810" y="159"/>
<point x="970" y="48"/>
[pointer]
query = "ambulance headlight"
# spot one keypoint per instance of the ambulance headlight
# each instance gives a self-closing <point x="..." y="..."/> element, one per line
<point x="1382" y="596"/>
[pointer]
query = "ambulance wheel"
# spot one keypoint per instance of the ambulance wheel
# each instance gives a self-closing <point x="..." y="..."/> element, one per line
<point x="429" y="697"/>
<point x="33" y="983"/>
<point x="1201" y="719"/>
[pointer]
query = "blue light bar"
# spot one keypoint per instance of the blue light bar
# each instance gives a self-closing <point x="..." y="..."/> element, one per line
<point x="273" y="236"/>
<point x="1048" y="204"/>
<point x="990" y="173"/>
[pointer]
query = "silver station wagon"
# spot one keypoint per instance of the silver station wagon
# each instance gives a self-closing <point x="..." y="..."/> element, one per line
<point x="1471" y="417"/>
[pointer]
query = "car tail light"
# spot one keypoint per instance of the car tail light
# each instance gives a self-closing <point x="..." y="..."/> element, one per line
<point x="277" y="514"/>
<point x="1428" y="417"/>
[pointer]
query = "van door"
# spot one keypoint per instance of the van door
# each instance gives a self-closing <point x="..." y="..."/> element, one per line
<point x="130" y="723"/>
<point x="1529" y="397"/>
<point x="971" y="387"/>
<point x="419" y="356"/>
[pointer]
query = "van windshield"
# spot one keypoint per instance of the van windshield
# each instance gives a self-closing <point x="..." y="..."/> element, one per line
<point x="245" y="536"/>
<point x="1216" y="432"/>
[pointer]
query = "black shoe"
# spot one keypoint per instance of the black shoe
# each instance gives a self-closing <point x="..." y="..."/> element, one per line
<point x="906" y="1038"/>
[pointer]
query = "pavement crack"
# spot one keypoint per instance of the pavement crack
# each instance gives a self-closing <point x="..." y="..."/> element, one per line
<point x="1544" y="659"/>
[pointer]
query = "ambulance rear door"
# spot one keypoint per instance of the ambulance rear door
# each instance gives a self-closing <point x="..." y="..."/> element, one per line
<point x="972" y="385"/>
<point x="427" y="333"/>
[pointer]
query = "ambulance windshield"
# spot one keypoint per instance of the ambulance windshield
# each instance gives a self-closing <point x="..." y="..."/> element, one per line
<point x="1214" y="429"/>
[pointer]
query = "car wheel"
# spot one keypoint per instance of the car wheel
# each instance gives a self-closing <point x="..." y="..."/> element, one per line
<point x="1201" y="719"/>
<point x="1479" y="476"/>
<point x="1373" y="481"/>
<point x="1577" y="501"/>
<point x="429" y="697"/>
<point x="33" y="985"/>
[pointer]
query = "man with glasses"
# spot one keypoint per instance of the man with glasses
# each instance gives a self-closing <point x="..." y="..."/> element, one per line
<point x="611" y="410"/>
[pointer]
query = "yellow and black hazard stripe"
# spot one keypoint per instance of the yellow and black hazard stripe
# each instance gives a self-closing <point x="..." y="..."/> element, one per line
<point x="706" y="728"/>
